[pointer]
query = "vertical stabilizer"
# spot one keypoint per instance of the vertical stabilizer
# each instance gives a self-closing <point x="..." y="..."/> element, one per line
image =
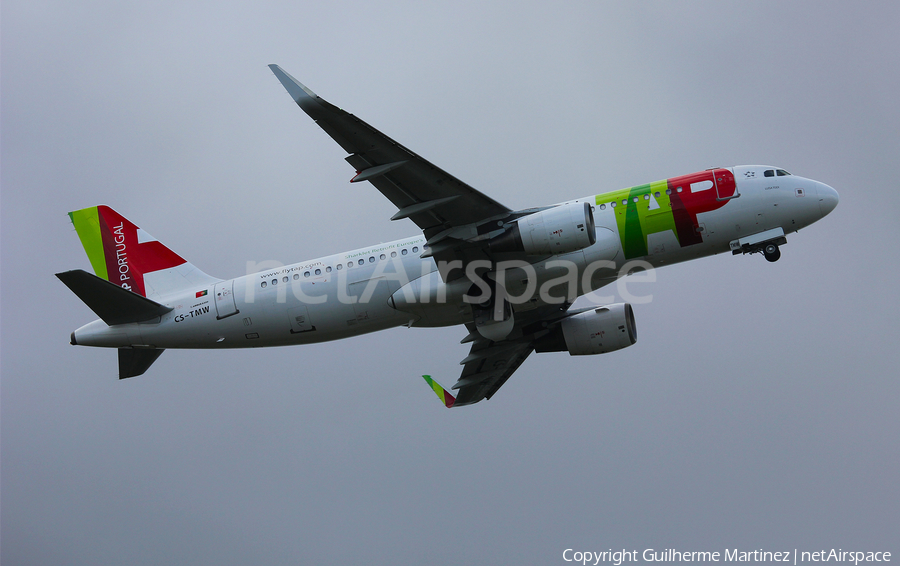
<point x="129" y="257"/>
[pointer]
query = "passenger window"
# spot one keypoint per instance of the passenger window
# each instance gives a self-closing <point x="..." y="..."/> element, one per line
<point x="668" y="191"/>
<point x="284" y="279"/>
<point x="647" y="196"/>
<point x="635" y="199"/>
<point x="415" y="249"/>
<point x="613" y="204"/>
<point x="769" y="173"/>
<point x="656" y="194"/>
<point x="382" y="256"/>
<point x="678" y="190"/>
<point x="393" y="254"/>
<point x="263" y="284"/>
<point x="328" y="269"/>
<point x="274" y="281"/>
<point x="349" y="264"/>
<point x="361" y="262"/>
<point x="296" y="276"/>
<point x="371" y="259"/>
<point x="602" y="207"/>
<point x="318" y="272"/>
<point x="403" y="251"/>
<point x="306" y="274"/>
<point x="340" y="266"/>
<point x="624" y="201"/>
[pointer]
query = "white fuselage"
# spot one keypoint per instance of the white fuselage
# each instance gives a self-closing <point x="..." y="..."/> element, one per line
<point x="348" y="294"/>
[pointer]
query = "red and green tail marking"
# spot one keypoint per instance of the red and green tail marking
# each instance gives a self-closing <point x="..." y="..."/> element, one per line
<point x="119" y="251"/>
<point x="442" y="393"/>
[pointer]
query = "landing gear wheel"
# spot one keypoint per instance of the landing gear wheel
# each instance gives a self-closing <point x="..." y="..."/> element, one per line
<point x="771" y="252"/>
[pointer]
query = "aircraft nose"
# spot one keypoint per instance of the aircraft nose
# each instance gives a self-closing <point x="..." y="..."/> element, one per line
<point x="828" y="198"/>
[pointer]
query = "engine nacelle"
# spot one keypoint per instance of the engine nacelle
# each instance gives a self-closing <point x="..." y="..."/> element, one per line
<point x="558" y="230"/>
<point x="604" y="329"/>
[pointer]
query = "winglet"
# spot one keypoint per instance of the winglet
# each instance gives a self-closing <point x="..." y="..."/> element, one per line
<point x="442" y="393"/>
<point x="294" y="87"/>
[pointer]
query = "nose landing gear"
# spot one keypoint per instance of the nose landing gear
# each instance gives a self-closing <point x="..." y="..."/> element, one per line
<point x="765" y="243"/>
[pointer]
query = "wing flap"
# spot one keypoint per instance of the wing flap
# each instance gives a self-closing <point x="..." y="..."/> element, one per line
<point x="483" y="376"/>
<point x="490" y="364"/>
<point x="372" y="172"/>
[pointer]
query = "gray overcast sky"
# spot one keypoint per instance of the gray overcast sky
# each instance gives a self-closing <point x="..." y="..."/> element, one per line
<point x="757" y="410"/>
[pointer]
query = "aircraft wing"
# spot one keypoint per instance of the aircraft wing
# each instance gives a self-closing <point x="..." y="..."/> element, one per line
<point x="487" y="367"/>
<point x="456" y="219"/>
<point x="489" y="364"/>
<point x="432" y="198"/>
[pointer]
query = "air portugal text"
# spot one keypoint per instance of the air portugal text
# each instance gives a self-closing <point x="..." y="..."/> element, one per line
<point x="121" y="256"/>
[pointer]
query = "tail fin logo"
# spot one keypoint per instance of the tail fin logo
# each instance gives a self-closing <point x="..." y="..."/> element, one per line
<point x="119" y="251"/>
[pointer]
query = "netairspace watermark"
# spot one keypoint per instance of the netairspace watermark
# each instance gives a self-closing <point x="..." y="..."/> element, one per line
<point x="795" y="556"/>
<point x="515" y="280"/>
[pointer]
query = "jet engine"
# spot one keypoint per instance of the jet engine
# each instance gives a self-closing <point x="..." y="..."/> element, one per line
<point x="558" y="230"/>
<point x="598" y="331"/>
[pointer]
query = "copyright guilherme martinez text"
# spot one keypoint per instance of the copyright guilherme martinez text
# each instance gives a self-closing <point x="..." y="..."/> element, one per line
<point x="619" y="557"/>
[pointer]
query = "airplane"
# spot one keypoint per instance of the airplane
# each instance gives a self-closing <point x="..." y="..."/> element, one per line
<point x="509" y="276"/>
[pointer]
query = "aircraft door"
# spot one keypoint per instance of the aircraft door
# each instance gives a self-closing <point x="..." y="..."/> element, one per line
<point x="225" y="306"/>
<point x="726" y="187"/>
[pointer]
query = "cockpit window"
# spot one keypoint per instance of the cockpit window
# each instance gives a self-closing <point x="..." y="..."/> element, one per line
<point x="769" y="173"/>
<point x="781" y="172"/>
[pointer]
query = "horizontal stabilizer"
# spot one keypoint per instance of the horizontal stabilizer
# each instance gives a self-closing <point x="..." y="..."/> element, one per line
<point x="445" y="397"/>
<point x="134" y="361"/>
<point x="110" y="302"/>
